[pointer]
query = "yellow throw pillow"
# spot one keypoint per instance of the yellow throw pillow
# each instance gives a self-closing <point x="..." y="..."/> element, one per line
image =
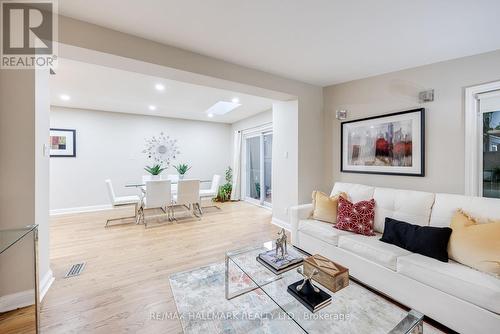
<point x="475" y="245"/>
<point x="325" y="207"/>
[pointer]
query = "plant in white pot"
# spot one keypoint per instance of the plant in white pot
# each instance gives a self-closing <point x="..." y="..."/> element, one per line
<point x="182" y="170"/>
<point x="154" y="171"/>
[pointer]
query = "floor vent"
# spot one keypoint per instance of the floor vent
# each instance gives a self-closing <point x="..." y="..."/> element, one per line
<point x="75" y="270"/>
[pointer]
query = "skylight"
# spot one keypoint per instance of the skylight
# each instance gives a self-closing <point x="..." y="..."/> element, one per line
<point x="222" y="108"/>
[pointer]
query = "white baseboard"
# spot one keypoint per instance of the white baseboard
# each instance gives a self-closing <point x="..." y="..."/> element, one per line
<point x="46" y="282"/>
<point x="56" y="212"/>
<point x="27" y="297"/>
<point x="17" y="300"/>
<point x="281" y="223"/>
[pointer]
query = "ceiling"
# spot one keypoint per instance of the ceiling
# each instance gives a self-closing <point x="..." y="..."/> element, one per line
<point x="102" y="88"/>
<point x="321" y="41"/>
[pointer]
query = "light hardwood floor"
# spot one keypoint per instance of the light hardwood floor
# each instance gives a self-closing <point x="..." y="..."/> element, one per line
<point x="127" y="267"/>
<point x="19" y="321"/>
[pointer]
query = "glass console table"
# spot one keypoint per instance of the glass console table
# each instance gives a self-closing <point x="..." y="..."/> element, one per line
<point x="9" y="239"/>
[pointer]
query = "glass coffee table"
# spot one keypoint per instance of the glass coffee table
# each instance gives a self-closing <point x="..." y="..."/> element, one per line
<point x="354" y="309"/>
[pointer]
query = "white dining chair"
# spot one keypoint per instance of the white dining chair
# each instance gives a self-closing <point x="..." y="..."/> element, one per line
<point x="212" y="192"/>
<point x="174" y="178"/>
<point x="188" y="196"/>
<point x="121" y="201"/>
<point x="157" y="195"/>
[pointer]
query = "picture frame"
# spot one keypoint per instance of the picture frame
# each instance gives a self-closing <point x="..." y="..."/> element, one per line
<point x="390" y="144"/>
<point x="62" y="143"/>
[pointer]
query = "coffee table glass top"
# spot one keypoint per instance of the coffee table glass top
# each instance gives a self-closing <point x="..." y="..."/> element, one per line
<point x="354" y="309"/>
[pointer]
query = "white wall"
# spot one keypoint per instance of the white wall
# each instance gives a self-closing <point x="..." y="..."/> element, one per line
<point x="23" y="131"/>
<point x="285" y="174"/>
<point x="261" y="118"/>
<point x="42" y="168"/>
<point x="17" y="174"/>
<point x="109" y="145"/>
<point x="399" y="91"/>
<point x="255" y="120"/>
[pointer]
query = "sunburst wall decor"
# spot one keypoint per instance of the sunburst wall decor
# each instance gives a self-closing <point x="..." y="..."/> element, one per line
<point x="162" y="149"/>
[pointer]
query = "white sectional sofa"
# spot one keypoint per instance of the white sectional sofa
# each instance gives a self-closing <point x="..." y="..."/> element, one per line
<point x="463" y="299"/>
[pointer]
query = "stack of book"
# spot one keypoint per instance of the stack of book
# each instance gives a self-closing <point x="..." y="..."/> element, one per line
<point x="311" y="299"/>
<point x="277" y="264"/>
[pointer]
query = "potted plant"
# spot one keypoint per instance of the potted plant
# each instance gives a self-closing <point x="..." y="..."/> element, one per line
<point x="182" y="170"/>
<point x="224" y="193"/>
<point x="154" y="171"/>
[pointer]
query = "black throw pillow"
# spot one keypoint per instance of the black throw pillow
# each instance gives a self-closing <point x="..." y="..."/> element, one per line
<point x="426" y="240"/>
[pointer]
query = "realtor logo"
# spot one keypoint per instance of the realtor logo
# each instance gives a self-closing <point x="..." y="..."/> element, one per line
<point x="28" y="34"/>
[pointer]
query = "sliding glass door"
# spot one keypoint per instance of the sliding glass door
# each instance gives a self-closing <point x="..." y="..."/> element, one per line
<point x="258" y="168"/>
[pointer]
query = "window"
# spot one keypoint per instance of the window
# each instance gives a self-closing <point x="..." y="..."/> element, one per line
<point x="482" y="140"/>
<point x="490" y="133"/>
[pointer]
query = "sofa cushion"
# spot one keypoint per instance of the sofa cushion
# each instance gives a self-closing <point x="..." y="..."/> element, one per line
<point x="453" y="278"/>
<point x="426" y="240"/>
<point x="356" y="217"/>
<point x="321" y="230"/>
<point x="373" y="249"/>
<point x="325" y="207"/>
<point x="356" y="192"/>
<point x="407" y="205"/>
<point x="481" y="208"/>
<point x="475" y="245"/>
<point x="413" y="207"/>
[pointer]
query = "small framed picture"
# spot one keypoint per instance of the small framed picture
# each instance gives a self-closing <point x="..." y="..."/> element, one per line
<point x="392" y="144"/>
<point x="62" y="143"/>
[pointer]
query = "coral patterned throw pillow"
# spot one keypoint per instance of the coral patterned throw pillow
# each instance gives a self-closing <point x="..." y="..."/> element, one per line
<point x="356" y="217"/>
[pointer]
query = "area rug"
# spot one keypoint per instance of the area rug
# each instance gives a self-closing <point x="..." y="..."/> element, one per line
<point x="203" y="308"/>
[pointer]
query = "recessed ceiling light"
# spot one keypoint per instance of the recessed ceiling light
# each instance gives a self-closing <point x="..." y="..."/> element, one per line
<point x="159" y="87"/>
<point x="152" y="107"/>
<point x="210" y="115"/>
<point x="64" y="97"/>
<point x="235" y="100"/>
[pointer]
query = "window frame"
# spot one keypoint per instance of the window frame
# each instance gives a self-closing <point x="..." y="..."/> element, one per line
<point x="473" y="140"/>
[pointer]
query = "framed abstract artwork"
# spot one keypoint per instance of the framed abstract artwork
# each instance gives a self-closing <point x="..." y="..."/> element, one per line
<point x="62" y="143"/>
<point x="392" y="144"/>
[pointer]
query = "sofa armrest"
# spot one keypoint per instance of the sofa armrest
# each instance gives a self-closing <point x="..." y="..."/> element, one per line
<point x="298" y="213"/>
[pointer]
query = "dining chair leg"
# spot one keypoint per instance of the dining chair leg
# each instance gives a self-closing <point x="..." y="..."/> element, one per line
<point x="173" y="214"/>
<point x="199" y="208"/>
<point x="211" y="206"/>
<point x="140" y="215"/>
<point x="140" y="211"/>
<point x="122" y="218"/>
<point x="170" y="213"/>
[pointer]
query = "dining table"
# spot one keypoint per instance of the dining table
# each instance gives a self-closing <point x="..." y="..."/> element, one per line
<point x="142" y="184"/>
